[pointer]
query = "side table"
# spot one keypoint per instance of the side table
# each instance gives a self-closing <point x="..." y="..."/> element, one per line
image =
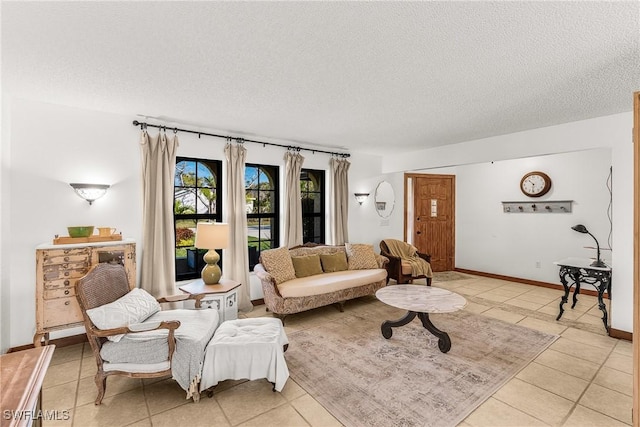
<point x="21" y="376"/>
<point x="575" y="271"/>
<point x="222" y="296"/>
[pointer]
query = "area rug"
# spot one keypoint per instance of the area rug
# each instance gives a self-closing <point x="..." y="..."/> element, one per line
<point x="448" y="276"/>
<point x="364" y="380"/>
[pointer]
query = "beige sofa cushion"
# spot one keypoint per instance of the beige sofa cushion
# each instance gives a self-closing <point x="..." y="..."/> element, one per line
<point x="330" y="282"/>
<point x="360" y="256"/>
<point x="278" y="263"/>
<point x="307" y="265"/>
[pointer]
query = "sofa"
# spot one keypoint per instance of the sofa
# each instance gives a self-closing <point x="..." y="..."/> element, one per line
<point x="311" y="276"/>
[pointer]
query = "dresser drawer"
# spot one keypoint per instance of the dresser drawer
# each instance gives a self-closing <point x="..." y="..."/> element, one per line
<point x="59" y="293"/>
<point x="60" y="283"/>
<point x="60" y="258"/>
<point x="61" y="311"/>
<point x="57" y="271"/>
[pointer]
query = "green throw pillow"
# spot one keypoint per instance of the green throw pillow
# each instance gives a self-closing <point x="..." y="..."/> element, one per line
<point x="306" y="265"/>
<point x="334" y="262"/>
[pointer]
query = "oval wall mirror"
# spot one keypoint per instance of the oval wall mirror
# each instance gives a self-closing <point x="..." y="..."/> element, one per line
<point x="384" y="199"/>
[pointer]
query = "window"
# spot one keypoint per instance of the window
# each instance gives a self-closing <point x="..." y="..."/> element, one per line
<point x="261" y="190"/>
<point x="196" y="197"/>
<point x="312" y="195"/>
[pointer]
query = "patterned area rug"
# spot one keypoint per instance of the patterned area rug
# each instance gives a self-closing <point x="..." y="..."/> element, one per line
<point x="366" y="380"/>
<point x="447" y="276"/>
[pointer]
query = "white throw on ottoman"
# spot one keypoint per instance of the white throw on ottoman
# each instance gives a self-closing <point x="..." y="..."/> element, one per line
<point x="246" y="349"/>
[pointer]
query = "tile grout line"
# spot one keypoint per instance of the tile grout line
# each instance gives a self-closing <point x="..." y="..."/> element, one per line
<point x="75" y="400"/>
<point x="570" y="412"/>
<point x="573" y="408"/>
<point x="146" y="403"/>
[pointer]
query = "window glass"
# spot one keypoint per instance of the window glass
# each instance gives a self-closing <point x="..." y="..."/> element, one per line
<point x="313" y="207"/>
<point x="196" y="198"/>
<point x="262" y="198"/>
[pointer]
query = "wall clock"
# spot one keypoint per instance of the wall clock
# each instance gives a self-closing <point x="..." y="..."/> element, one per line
<point x="535" y="184"/>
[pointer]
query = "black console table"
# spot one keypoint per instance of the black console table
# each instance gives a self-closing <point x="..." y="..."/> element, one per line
<point x="576" y="271"/>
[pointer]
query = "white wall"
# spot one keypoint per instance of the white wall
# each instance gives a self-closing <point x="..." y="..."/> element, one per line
<point x="47" y="146"/>
<point x="510" y="244"/>
<point x="365" y="225"/>
<point x="591" y="146"/>
<point x="5" y="290"/>
<point x="51" y="146"/>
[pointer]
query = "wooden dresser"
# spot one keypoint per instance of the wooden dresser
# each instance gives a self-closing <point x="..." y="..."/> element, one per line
<point x="58" y="268"/>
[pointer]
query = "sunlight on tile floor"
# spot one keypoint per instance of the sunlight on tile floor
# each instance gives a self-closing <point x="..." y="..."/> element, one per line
<point x="584" y="378"/>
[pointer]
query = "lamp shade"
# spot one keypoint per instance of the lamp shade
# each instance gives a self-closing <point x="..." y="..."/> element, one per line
<point x="212" y="235"/>
<point x="90" y="192"/>
<point x="580" y="228"/>
<point x="361" y="197"/>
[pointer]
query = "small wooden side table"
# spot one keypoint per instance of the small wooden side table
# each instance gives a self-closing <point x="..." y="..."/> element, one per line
<point x="222" y="296"/>
<point x="21" y="377"/>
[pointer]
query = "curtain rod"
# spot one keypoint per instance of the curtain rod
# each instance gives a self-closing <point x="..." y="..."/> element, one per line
<point x="144" y="125"/>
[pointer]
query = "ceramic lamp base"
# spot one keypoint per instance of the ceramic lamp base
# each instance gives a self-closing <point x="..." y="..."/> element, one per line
<point x="211" y="273"/>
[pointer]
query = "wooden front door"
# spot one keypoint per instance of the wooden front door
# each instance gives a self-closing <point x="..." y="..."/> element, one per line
<point x="434" y="218"/>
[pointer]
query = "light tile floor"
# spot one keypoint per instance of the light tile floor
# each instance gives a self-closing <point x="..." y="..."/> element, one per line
<point x="584" y="378"/>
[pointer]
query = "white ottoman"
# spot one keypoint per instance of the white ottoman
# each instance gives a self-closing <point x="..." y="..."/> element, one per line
<point x="246" y="349"/>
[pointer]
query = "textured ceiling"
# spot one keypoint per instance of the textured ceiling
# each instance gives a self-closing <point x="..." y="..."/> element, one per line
<point x="373" y="77"/>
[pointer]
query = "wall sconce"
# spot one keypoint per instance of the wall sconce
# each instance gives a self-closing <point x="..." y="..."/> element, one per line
<point x="90" y="192"/>
<point x="361" y="197"/>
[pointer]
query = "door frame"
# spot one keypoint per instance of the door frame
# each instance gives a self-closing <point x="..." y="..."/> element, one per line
<point x="409" y="210"/>
<point x="636" y="261"/>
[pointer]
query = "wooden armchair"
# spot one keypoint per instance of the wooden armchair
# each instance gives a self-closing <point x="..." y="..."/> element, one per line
<point x="104" y="284"/>
<point x="401" y="271"/>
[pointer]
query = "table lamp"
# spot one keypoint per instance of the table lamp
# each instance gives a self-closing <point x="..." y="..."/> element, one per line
<point x="582" y="229"/>
<point x="212" y="236"/>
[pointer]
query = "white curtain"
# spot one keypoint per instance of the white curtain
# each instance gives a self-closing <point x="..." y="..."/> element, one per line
<point x="235" y="263"/>
<point x="340" y="201"/>
<point x="292" y="202"/>
<point x="157" y="270"/>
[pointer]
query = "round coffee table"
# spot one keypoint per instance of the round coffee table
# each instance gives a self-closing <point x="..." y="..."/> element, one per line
<point x="420" y="301"/>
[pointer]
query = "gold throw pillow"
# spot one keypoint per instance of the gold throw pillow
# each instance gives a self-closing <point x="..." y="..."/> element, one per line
<point x="334" y="262"/>
<point x="306" y="265"/>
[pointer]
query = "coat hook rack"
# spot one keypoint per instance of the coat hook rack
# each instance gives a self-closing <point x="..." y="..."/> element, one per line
<point x="550" y="206"/>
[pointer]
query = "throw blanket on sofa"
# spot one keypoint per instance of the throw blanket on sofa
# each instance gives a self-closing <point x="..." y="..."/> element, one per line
<point x="193" y="335"/>
<point x="409" y="253"/>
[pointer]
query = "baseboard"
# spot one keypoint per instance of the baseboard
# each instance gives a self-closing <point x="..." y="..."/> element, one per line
<point x="623" y="335"/>
<point x="58" y="342"/>
<point x="528" y="282"/>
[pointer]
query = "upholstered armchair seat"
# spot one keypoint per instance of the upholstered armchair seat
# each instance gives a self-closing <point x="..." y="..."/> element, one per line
<point x="399" y="269"/>
<point x="130" y="336"/>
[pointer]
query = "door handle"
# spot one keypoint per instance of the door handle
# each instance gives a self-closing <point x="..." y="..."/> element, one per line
<point x="418" y="232"/>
